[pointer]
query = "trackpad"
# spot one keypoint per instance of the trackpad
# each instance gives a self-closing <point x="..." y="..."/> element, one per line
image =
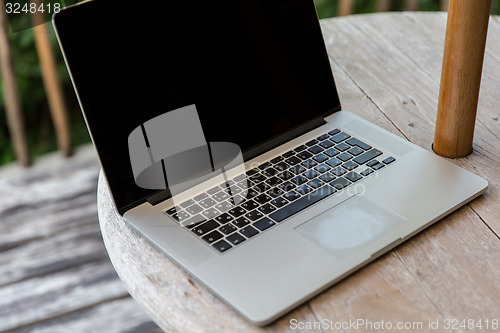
<point x="350" y="226"/>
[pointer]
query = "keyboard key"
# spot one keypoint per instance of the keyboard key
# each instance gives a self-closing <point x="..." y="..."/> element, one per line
<point x="389" y="160"/>
<point x="327" y="177"/>
<point x="264" y="165"/>
<point x="291" y="196"/>
<point x="214" y="190"/>
<point x="257" y="178"/>
<point x="249" y="205"/>
<point x="220" y="196"/>
<point x="221" y="246"/>
<point x="299" y="180"/>
<point x="275" y="192"/>
<point x="224" y="218"/>
<point x="262" y="199"/>
<point x="350" y="165"/>
<point x="205" y="227"/>
<point x="171" y="211"/>
<point x="372" y="163"/>
<point x="193" y="221"/>
<point x="288" y="154"/>
<point x="353" y="176"/>
<point x="300" y="148"/>
<point x="369" y="155"/>
<point x="274" y="181"/>
<point x="212" y="237"/>
<point x="240" y="178"/>
<point x="326" y="144"/>
<point x="267" y="209"/>
<point x="323" y="137"/>
<point x="312" y="143"/>
<point x="332" y="152"/>
<point x="303" y="189"/>
<point x="322" y="168"/>
<point x="344" y="157"/>
<point x="236" y="239"/>
<point x="378" y="166"/>
<point x="338" y="171"/>
<point x="277" y="160"/>
<point x="281" y="166"/>
<point x="280" y="202"/>
<point x="310" y="174"/>
<point x="261" y="188"/>
<point x="207" y="203"/>
<point x="334" y="162"/>
<point x="316" y="149"/>
<point x="237" y="211"/>
<point x="249" y="231"/>
<point x="287" y="186"/>
<point x="302" y="203"/>
<point x="210" y="213"/>
<point x="297" y="169"/>
<point x="201" y="197"/>
<point x="224" y="206"/>
<point x="367" y="172"/>
<point x="304" y="155"/>
<point x="315" y="183"/>
<point x="320" y="158"/>
<point x="342" y="147"/>
<point x="254" y="215"/>
<point x="340" y="183"/>
<point x="270" y="172"/>
<point x="263" y="224"/>
<point x="340" y="137"/>
<point x="252" y="172"/>
<point x="187" y="203"/>
<point x="359" y="143"/>
<point x="241" y="222"/>
<point x="293" y="160"/>
<point x="252" y="193"/>
<point x="181" y="216"/>
<point x="227" y="229"/>
<point x="355" y="151"/>
<point x="334" y="132"/>
<point x="309" y="163"/>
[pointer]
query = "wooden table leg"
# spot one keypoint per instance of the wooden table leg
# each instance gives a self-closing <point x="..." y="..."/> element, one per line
<point x="465" y="44"/>
<point x="12" y="99"/>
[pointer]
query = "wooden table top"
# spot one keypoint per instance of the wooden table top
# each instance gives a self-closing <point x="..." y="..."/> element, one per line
<point x="387" y="68"/>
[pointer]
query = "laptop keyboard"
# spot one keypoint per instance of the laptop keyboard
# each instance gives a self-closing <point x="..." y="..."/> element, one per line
<point x="278" y="189"/>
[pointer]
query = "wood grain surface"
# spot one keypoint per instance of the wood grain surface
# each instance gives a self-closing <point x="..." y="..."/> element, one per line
<point x="55" y="275"/>
<point x="387" y="68"/>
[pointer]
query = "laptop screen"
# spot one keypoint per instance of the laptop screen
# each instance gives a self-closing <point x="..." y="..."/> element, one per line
<point x="254" y="69"/>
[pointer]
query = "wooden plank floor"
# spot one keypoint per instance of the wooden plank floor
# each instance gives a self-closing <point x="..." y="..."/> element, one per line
<point x="55" y="274"/>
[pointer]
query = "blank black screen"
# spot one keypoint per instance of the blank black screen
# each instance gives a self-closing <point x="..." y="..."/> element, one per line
<point x="254" y="69"/>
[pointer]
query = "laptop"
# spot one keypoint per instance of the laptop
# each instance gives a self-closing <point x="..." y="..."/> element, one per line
<point x="299" y="193"/>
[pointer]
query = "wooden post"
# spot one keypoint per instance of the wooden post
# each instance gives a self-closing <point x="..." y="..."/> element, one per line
<point x="383" y="5"/>
<point x="12" y="100"/>
<point x="412" y="5"/>
<point x="345" y="7"/>
<point x="444" y="5"/>
<point x="461" y="76"/>
<point x="52" y="83"/>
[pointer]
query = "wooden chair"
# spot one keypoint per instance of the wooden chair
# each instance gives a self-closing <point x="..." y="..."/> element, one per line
<point x="51" y="82"/>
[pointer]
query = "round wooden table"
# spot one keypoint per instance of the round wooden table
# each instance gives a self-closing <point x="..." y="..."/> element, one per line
<point x="387" y="68"/>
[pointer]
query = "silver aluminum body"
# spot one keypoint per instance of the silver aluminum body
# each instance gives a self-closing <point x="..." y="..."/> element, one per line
<point x="269" y="275"/>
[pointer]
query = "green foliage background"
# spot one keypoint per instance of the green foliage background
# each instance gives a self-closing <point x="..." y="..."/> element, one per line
<point x="39" y="128"/>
